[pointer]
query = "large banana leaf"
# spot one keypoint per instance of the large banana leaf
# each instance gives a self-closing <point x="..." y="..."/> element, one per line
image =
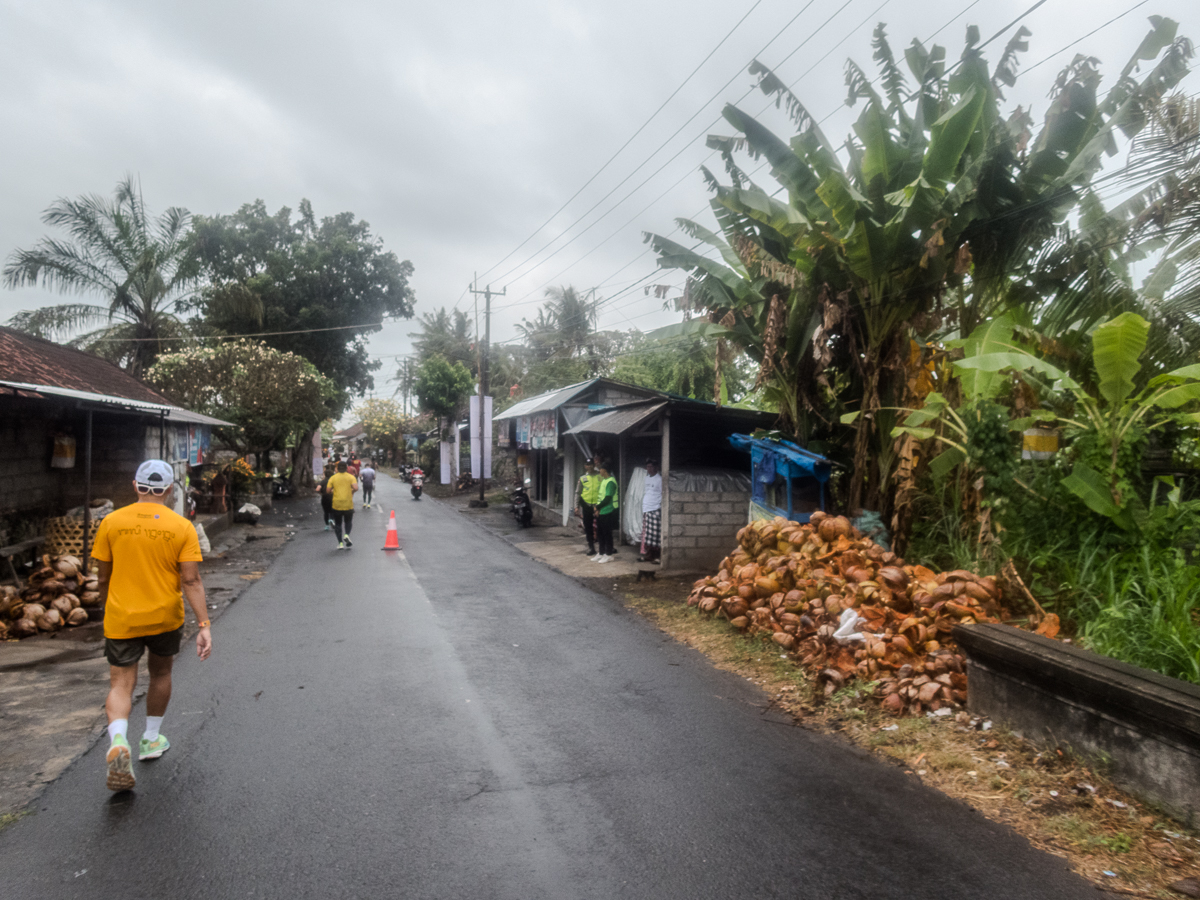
<point x="950" y="135"/>
<point x="1089" y="486"/>
<point x="996" y="362"/>
<point x="1116" y="348"/>
<point x="994" y="336"/>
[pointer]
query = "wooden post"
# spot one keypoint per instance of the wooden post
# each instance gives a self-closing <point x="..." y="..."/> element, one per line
<point x="664" y="552"/>
<point x="621" y="485"/>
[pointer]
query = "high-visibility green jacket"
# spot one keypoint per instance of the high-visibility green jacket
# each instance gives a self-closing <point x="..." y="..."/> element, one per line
<point x="609" y="499"/>
<point x="590" y="492"/>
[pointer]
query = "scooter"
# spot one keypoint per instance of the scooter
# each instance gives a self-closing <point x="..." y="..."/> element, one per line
<point x="281" y="487"/>
<point x="418" y="482"/>
<point x="522" y="509"/>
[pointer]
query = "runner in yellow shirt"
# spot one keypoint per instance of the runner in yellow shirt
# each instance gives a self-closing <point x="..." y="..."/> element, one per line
<point x="147" y="555"/>
<point x="342" y="487"/>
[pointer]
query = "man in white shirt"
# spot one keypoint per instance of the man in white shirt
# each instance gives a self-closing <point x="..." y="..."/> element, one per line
<point x="651" y="513"/>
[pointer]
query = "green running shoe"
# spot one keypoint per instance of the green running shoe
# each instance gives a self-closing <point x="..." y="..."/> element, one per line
<point x="153" y="749"/>
<point x="341" y="545"/>
<point x="120" y="766"/>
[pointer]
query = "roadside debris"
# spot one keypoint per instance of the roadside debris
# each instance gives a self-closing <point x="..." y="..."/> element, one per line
<point x="847" y="609"/>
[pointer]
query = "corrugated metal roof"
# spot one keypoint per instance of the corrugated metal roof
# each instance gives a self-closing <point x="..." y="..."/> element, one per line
<point x="544" y="402"/>
<point x="32" y="360"/>
<point x="172" y="413"/>
<point x="619" y="420"/>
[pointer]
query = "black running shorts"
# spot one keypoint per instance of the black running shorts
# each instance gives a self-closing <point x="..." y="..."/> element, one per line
<point x="127" y="651"/>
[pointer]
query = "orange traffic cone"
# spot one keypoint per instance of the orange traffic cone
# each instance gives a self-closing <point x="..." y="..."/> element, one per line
<point x="393" y="536"/>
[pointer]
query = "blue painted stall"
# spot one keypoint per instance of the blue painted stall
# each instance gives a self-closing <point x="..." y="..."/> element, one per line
<point x="787" y="480"/>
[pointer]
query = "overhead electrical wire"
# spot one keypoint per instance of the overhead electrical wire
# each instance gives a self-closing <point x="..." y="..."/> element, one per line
<point x="609" y="161"/>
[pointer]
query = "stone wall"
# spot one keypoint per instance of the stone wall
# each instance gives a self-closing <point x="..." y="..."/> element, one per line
<point x="704" y="527"/>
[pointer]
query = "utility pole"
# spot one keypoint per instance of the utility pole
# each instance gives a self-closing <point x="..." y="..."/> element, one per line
<point x="484" y="347"/>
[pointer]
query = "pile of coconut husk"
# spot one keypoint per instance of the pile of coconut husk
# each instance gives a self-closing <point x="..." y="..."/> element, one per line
<point x="56" y="595"/>
<point x="845" y="608"/>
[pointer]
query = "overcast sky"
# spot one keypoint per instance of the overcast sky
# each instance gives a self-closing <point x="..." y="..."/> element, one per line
<point x="456" y="129"/>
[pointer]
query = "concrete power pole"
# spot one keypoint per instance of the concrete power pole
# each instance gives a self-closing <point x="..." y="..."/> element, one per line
<point x="484" y="347"/>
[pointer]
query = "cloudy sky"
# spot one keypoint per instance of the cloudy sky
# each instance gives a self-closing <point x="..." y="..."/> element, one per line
<point x="458" y="129"/>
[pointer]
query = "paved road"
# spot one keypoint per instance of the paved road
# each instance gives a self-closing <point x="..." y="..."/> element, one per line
<point x="459" y="722"/>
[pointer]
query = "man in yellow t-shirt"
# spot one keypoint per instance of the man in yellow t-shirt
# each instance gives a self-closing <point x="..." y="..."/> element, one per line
<point x="147" y="554"/>
<point x="341" y="487"/>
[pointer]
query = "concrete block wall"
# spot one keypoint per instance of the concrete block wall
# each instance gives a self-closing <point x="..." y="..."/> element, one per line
<point x="704" y="527"/>
<point x="30" y="490"/>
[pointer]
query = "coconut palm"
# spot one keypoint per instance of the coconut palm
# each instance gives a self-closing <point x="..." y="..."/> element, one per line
<point x="140" y="266"/>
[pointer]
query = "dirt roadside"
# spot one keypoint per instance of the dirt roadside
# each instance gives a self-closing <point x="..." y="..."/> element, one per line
<point x="1054" y="800"/>
<point x="52" y="687"/>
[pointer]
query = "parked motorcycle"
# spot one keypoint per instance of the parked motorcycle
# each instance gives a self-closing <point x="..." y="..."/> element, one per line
<point x="418" y="482"/>
<point x="281" y="487"/>
<point x="522" y="509"/>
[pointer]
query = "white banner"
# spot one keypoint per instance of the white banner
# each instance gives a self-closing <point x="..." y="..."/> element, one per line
<point x="318" y="461"/>
<point x="487" y="437"/>
<point x="444" y="468"/>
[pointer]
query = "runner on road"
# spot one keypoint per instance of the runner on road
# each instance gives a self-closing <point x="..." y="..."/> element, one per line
<point x="342" y="487"/>
<point x="367" y="477"/>
<point x="147" y="554"/>
<point x="326" y="498"/>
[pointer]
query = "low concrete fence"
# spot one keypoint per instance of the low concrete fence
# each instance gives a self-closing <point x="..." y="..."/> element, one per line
<point x="1141" y="728"/>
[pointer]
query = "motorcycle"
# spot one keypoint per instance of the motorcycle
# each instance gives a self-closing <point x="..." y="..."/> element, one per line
<point x="418" y="482"/>
<point x="281" y="487"/>
<point x="522" y="509"/>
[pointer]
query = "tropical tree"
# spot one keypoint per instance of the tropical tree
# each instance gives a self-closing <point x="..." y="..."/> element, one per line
<point x="381" y="420"/>
<point x="445" y="334"/>
<point x="841" y="289"/>
<point x="138" y="265"/>
<point x="563" y="327"/>
<point x="442" y="387"/>
<point x="273" y="398"/>
<point x="321" y="286"/>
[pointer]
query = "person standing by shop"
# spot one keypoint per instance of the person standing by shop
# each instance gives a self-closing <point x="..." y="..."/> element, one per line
<point x="587" y="492"/>
<point x="651" y="513"/>
<point x="149" y="560"/>
<point x="342" y="487"/>
<point x="367" y="477"/>
<point x="607" y="518"/>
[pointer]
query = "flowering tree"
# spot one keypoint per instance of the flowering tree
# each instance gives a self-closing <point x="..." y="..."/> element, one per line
<point x="381" y="420"/>
<point x="268" y="394"/>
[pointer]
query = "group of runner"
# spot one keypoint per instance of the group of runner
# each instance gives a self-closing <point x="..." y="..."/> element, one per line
<point x="148" y="561"/>
<point x="598" y="501"/>
<point x="342" y="480"/>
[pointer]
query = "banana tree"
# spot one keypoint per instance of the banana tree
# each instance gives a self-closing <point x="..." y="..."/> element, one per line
<point x="909" y="232"/>
<point x="1118" y="406"/>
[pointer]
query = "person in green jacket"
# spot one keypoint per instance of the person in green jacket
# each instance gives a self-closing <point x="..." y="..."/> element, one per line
<point x="587" y="492"/>
<point x="607" y="517"/>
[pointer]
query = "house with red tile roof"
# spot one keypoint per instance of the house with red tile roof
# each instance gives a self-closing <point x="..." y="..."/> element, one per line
<point x="74" y="427"/>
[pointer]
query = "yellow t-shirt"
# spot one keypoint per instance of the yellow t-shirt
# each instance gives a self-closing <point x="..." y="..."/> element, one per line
<point x="145" y="542"/>
<point x="342" y="486"/>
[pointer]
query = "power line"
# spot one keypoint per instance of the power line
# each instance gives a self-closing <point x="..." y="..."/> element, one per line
<point x="682" y="84"/>
<point x="663" y="144"/>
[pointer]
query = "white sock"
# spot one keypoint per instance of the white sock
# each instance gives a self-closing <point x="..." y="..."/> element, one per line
<point x="118" y="726"/>
<point x="153" y="723"/>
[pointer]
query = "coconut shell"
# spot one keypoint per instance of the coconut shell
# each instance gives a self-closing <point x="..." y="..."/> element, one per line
<point x="24" y="627"/>
<point x="740" y="622"/>
<point x="92" y="598"/>
<point x="62" y="604"/>
<point x="77" y="616"/>
<point x="51" y="620"/>
<point x="34" y="611"/>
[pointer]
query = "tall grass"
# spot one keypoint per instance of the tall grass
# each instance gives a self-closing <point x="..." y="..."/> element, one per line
<point x="1130" y="597"/>
<point x="1143" y="608"/>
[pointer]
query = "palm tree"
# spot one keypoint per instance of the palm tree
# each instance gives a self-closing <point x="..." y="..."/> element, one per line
<point x="564" y="326"/>
<point x="142" y="268"/>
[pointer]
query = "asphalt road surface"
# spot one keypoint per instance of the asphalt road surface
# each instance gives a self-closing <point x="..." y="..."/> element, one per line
<point x="458" y="722"/>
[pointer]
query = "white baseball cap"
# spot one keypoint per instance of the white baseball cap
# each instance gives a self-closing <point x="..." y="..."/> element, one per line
<point x="154" y="473"/>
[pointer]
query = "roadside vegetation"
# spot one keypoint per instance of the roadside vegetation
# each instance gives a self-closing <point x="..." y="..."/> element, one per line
<point x="1060" y="803"/>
